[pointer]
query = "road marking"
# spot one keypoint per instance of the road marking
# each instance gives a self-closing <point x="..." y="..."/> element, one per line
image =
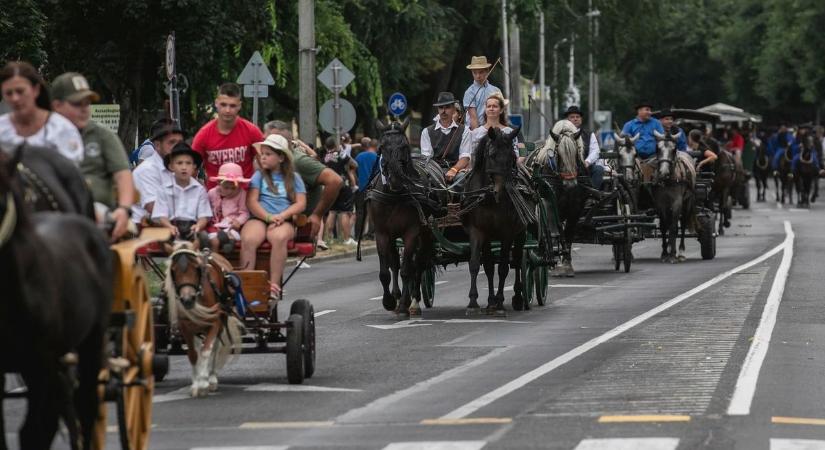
<point x="261" y="447"/>
<point x="266" y="387"/>
<point x="437" y="445"/>
<point x="797" y="421"/>
<point x="644" y="418"/>
<point x="401" y="324"/>
<point x="178" y="394"/>
<point x="629" y="444"/>
<point x="740" y="403"/>
<point x="555" y="363"/>
<point x="377" y="298"/>
<point x="324" y="312"/>
<point x="422" y="322"/>
<point x="581" y="285"/>
<point x="798" y="210"/>
<point x="439" y="283"/>
<point x="469" y="421"/>
<point x="797" y="444"/>
<point x="383" y="403"/>
<point x="276" y="425"/>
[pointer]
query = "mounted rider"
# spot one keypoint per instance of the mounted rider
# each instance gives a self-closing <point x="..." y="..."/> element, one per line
<point x="782" y="139"/>
<point x="804" y="138"/>
<point x="644" y="124"/>
<point x="445" y="141"/>
<point x="592" y="163"/>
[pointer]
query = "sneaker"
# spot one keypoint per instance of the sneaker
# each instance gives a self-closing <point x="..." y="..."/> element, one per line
<point x="350" y="241"/>
<point x="303" y="265"/>
<point x="322" y="245"/>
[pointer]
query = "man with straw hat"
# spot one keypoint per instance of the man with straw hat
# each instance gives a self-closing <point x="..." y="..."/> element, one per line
<point x="475" y="97"/>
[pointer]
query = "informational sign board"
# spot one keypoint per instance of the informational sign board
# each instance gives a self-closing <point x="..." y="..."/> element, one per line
<point x="256" y="90"/>
<point x="108" y="116"/>
<point x="397" y="104"/>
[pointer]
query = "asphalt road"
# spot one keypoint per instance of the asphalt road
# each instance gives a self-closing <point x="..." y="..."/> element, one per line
<point x="721" y="354"/>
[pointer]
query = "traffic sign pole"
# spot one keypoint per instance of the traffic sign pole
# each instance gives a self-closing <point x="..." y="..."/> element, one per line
<point x="255" y="97"/>
<point x="336" y="104"/>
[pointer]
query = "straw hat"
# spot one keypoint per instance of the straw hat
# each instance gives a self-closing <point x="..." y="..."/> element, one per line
<point x="275" y="142"/>
<point x="479" y="62"/>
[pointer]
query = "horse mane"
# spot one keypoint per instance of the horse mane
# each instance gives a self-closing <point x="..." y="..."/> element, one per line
<point x="395" y="149"/>
<point x="561" y="129"/>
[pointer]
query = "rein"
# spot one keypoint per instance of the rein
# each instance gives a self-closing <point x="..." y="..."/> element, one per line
<point x="9" y="220"/>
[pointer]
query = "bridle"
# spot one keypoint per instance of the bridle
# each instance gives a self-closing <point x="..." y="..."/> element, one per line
<point x="199" y="266"/>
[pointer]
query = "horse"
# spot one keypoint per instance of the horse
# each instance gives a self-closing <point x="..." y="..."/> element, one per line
<point x="806" y="171"/>
<point x="200" y="297"/>
<point x="53" y="184"/>
<point x="761" y="169"/>
<point x="399" y="203"/>
<point x="783" y="176"/>
<point x="494" y="209"/>
<point x="673" y="194"/>
<point x="57" y="300"/>
<point x="725" y="177"/>
<point x="626" y="162"/>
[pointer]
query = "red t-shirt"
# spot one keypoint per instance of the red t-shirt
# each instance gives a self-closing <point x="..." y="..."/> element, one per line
<point x="236" y="147"/>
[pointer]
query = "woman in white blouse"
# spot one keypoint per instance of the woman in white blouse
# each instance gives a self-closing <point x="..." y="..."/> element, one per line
<point x="495" y="111"/>
<point x="31" y="119"/>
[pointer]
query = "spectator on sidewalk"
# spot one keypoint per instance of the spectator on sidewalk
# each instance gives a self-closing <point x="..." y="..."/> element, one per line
<point x="337" y="159"/>
<point x="367" y="161"/>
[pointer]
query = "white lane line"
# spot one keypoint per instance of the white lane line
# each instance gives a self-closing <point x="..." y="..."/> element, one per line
<point x="377" y="298"/>
<point x="437" y="445"/>
<point x="266" y="387"/>
<point x="797" y="444"/>
<point x="629" y="444"/>
<point x="262" y="447"/>
<point x="551" y="365"/>
<point x="439" y="283"/>
<point x="581" y="285"/>
<point x="324" y="312"/>
<point x="740" y="403"/>
<point x="178" y="394"/>
<point x="383" y="403"/>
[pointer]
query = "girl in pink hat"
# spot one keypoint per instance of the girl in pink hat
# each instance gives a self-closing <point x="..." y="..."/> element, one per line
<point x="229" y="209"/>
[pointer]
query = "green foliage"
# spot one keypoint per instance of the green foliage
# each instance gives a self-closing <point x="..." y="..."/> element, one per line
<point x="22" y="32"/>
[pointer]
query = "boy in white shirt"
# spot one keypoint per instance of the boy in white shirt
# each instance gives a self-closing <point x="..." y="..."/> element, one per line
<point x="182" y="204"/>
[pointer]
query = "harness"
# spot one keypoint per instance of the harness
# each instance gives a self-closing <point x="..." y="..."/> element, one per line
<point x="223" y="296"/>
<point x="9" y="220"/>
<point x="36" y="188"/>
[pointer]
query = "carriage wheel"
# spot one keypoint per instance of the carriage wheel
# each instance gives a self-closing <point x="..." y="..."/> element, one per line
<point x="305" y="309"/>
<point x="527" y="282"/>
<point x="707" y="241"/>
<point x="294" y="349"/>
<point x="428" y="286"/>
<point x="618" y="254"/>
<point x="541" y="285"/>
<point x="138" y="379"/>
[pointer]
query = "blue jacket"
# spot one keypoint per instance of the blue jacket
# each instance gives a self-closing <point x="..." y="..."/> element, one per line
<point x="777" y="151"/>
<point x="646" y="145"/>
<point x="773" y="142"/>
<point x="681" y="142"/>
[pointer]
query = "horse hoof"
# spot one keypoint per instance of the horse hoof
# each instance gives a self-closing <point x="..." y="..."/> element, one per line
<point x="473" y="311"/>
<point x="681" y="258"/>
<point x="213" y="383"/>
<point x="415" y="312"/>
<point x="389" y="302"/>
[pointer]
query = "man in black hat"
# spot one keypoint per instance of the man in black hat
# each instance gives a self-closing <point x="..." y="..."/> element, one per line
<point x="667" y="117"/>
<point x="591" y="163"/>
<point x="151" y="173"/>
<point x="446" y="141"/>
<point x="644" y="124"/>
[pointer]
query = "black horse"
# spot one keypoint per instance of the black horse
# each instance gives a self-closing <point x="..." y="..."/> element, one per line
<point x="56" y="272"/>
<point x="495" y="211"/>
<point x="725" y="178"/>
<point x="399" y="204"/>
<point x="783" y="176"/>
<point x="761" y="169"/>
<point x="673" y="195"/>
<point x="806" y="171"/>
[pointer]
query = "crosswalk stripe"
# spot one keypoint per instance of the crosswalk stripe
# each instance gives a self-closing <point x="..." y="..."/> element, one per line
<point x="262" y="447"/>
<point x="437" y="445"/>
<point x="797" y="444"/>
<point x="629" y="444"/>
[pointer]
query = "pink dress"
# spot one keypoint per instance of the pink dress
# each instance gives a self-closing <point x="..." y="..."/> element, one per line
<point x="225" y="209"/>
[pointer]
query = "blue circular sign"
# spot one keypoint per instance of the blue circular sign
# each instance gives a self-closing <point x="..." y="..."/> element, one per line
<point x="397" y="104"/>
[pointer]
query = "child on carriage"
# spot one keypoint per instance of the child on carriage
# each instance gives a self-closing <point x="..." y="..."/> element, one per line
<point x="276" y="194"/>
<point x="228" y="200"/>
<point x="182" y="205"/>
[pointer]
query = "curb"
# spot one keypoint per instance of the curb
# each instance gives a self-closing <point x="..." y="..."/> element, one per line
<point x="365" y="250"/>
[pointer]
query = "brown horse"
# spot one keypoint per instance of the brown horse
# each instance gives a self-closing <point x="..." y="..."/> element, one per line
<point x="806" y="171"/>
<point x="725" y="169"/>
<point x="200" y="303"/>
<point x="761" y="169"/>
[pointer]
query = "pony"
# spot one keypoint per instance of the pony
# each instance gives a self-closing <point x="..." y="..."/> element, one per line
<point x="783" y="176"/>
<point x="761" y="169"/>
<point x="199" y="298"/>
<point x="494" y="209"/>
<point x="673" y="194"/>
<point x="563" y="154"/>
<point x="57" y="300"/>
<point x="399" y="204"/>
<point x="806" y="170"/>
<point x="725" y="178"/>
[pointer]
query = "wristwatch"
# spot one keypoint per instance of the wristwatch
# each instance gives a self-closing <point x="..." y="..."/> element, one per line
<point x="127" y="208"/>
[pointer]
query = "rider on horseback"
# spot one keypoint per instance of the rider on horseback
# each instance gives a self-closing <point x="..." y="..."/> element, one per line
<point x="777" y="144"/>
<point x="447" y="142"/>
<point x="644" y="125"/>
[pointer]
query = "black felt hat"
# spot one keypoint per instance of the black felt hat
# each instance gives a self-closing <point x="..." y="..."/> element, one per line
<point x="573" y="110"/>
<point x="182" y="148"/>
<point x="445" y="99"/>
<point x="665" y="113"/>
<point x="163" y="127"/>
<point x="644" y="103"/>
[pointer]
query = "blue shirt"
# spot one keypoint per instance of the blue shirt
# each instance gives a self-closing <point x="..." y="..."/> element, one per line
<point x="366" y="164"/>
<point x="646" y="145"/>
<point x="275" y="203"/>
<point x="773" y="142"/>
<point x="476" y="97"/>
<point x="681" y="141"/>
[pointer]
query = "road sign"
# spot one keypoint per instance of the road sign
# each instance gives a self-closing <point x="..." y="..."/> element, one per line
<point x="256" y="90"/>
<point x="344" y="76"/>
<point x="170" y="56"/>
<point x="326" y="116"/>
<point x="256" y="72"/>
<point x="516" y="120"/>
<point x="604" y="119"/>
<point x="397" y="104"/>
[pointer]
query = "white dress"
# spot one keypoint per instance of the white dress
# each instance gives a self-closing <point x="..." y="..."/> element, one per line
<point x="57" y="133"/>
<point x="477" y="134"/>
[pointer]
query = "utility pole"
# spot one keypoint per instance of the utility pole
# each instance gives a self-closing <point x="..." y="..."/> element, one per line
<point x="515" y="68"/>
<point x="555" y="96"/>
<point x="307" y="115"/>
<point x="505" y="50"/>
<point x="593" y="79"/>
<point x="571" y="86"/>
<point x="542" y="99"/>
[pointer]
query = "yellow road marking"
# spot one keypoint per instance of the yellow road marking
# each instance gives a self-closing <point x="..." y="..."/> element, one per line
<point x="266" y="425"/>
<point x="644" y="418"/>
<point x="797" y="421"/>
<point x="469" y="421"/>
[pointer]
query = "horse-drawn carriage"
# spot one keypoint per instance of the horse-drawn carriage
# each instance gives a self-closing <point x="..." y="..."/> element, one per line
<point x="244" y="294"/>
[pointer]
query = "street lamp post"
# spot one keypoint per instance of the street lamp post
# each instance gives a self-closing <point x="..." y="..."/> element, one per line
<point x="593" y="78"/>
<point x="555" y="97"/>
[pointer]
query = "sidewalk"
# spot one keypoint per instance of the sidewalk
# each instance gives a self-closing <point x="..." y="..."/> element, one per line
<point x="338" y="251"/>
